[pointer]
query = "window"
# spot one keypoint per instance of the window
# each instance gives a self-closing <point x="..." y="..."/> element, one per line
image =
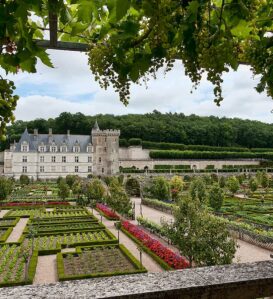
<point x="105" y="139"/>
<point x="24" y="159"/>
<point x="42" y="149"/>
<point x="64" y="159"/>
<point x="76" y="149"/>
<point x="99" y="159"/>
<point x="24" y="148"/>
<point x="53" y="159"/>
<point x="102" y="170"/>
<point x="53" y="168"/>
<point x="54" y="149"/>
<point x="76" y="168"/>
<point x="89" y="159"/>
<point x="63" y="149"/>
<point x="63" y="169"/>
<point x="42" y="159"/>
<point x="105" y="149"/>
<point x="24" y="169"/>
<point x="89" y="168"/>
<point x="42" y="169"/>
<point x="89" y="149"/>
<point x="76" y="159"/>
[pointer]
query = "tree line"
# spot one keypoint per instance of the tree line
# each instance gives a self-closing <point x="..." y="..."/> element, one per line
<point x="157" y="127"/>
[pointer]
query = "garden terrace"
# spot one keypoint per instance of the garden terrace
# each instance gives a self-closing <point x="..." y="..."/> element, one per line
<point x="97" y="261"/>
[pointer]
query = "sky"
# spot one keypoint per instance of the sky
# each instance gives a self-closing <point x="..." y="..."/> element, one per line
<point x="70" y="87"/>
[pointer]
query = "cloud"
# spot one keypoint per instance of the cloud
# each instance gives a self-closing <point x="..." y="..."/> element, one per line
<point x="71" y="87"/>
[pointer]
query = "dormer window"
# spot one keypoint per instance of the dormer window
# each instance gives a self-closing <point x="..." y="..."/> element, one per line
<point x="54" y="149"/>
<point x="89" y="148"/>
<point x="63" y="148"/>
<point x="24" y="147"/>
<point x="76" y="149"/>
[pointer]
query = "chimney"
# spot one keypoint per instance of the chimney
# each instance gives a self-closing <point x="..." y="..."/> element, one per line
<point x="68" y="133"/>
<point x="50" y="131"/>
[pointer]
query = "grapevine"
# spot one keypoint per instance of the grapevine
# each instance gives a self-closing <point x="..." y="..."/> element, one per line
<point x="8" y="103"/>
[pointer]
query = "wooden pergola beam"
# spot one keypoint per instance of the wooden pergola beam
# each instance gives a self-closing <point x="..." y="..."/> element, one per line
<point x="65" y="46"/>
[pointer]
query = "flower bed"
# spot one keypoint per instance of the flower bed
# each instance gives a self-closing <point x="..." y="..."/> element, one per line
<point x="108" y="213"/>
<point x="25" y="204"/>
<point x="97" y="261"/>
<point x="174" y="260"/>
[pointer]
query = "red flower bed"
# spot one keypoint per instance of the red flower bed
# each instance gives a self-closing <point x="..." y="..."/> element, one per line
<point x="173" y="259"/>
<point x="23" y="204"/>
<point x="105" y="210"/>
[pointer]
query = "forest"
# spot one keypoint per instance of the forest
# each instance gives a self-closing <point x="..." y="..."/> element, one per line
<point x="157" y="127"/>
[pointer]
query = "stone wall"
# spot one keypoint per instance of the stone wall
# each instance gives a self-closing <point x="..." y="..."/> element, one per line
<point x="237" y="281"/>
<point x="133" y="153"/>
<point x="198" y="164"/>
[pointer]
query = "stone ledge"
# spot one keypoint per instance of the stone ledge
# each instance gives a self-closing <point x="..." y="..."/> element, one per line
<point x="237" y="281"/>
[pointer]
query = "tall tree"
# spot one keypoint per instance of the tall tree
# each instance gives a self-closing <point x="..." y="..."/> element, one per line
<point x="203" y="239"/>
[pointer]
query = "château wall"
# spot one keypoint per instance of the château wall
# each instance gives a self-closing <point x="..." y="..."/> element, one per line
<point x="197" y="164"/>
<point x="133" y="153"/>
<point x="138" y="157"/>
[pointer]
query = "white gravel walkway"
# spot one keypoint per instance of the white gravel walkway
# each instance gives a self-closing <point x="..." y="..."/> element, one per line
<point x="46" y="271"/>
<point x="17" y="230"/>
<point x="3" y="213"/>
<point x="246" y="252"/>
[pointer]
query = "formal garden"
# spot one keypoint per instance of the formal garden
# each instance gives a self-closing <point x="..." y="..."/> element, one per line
<point x="55" y="223"/>
<point x="87" y="224"/>
<point x="65" y="219"/>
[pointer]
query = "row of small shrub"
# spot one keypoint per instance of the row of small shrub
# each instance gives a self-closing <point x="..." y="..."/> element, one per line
<point x="172" y="167"/>
<point x="174" y="154"/>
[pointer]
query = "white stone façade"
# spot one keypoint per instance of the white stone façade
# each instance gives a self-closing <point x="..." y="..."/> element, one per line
<point x="42" y="156"/>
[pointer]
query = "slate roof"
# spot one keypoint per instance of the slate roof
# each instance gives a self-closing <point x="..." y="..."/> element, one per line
<point x="58" y="139"/>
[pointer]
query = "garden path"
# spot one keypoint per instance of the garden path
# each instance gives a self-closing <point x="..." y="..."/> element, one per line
<point x="17" y="230"/>
<point x="46" y="271"/>
<point x="245" y="252"/>
<point x="3" y="213"/>
<point x="147" y="261"/>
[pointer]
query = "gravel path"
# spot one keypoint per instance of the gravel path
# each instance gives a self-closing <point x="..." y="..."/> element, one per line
<point x="147" y="261"/>
<point x="3" y="213"/>
<point x="17" y="230"/>
<point x="46" y="271"/>
<point x="246" y="252"/>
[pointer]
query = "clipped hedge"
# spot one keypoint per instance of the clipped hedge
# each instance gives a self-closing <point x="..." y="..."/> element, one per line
<point x="135" y="141"/>
<point x="4" y="237"/>
<point x="183" y="147"/>
<point x="176" y="154"/>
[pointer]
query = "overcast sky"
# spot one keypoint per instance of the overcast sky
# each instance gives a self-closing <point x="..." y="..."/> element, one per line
<point x="71" y="87"/>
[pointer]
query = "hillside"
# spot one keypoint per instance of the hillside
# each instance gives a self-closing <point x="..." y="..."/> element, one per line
<point x="158" y="127"/>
